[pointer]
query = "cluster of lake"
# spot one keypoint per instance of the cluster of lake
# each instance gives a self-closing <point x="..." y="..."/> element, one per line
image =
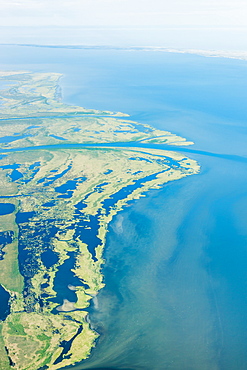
<point x="175" y="261"/>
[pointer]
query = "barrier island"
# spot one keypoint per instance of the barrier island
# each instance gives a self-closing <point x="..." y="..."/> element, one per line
<point x="65" y="172"/>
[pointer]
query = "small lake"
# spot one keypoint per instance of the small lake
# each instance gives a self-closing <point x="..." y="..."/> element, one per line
<point x="4" y="307"/>
<point x="6" y="208"/>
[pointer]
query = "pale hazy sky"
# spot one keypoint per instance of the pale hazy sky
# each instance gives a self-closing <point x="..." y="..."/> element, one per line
<point x="167" y="13"/>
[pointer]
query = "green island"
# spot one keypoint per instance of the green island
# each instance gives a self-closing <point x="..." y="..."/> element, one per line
<point x="65" y="172"/>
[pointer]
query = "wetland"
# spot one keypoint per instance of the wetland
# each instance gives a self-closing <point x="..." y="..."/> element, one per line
<point x="172" y="279"/>
<point x="64" y="199"/>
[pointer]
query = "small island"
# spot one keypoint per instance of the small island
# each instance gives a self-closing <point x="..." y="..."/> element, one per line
<point x="65" y="172"/>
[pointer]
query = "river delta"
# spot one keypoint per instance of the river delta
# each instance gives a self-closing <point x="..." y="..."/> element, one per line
<point x="65" y="172"/>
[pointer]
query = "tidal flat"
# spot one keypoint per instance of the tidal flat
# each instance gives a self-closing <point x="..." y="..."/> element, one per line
<point x="58" y="201"/>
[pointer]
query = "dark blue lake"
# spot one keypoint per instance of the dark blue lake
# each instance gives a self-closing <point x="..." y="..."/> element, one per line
<point x="176" y="261"/>
<point x="6" y="208"/>
<point x="4" y="307"/>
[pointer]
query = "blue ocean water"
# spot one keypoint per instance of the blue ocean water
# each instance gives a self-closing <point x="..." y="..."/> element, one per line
<point x="175" y="271"/>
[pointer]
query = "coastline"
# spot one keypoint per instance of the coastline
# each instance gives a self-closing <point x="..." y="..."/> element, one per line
<point x="212" y="53"/>
<point x="64" y="202"/>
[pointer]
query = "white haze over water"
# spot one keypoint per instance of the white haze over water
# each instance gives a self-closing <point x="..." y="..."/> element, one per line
<point x="124" y="13"/>
<point x="204" y="24"/>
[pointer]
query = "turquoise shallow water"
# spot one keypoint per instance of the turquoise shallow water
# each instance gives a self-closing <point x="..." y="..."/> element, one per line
<point x="175" y="272"/>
